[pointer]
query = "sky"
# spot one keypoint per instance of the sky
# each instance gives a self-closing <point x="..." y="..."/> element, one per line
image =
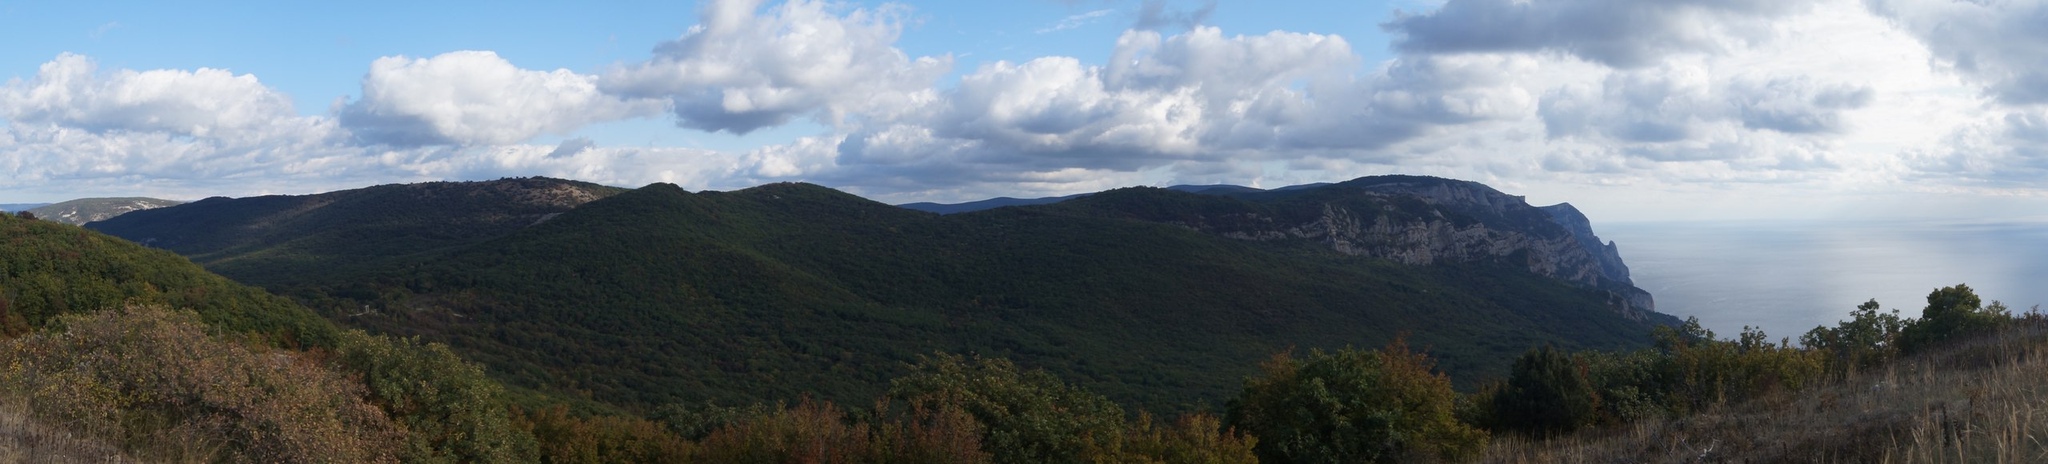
<point x="1632" y="110"/>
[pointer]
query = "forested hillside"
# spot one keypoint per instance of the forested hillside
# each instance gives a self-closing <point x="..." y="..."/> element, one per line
<point x="660" y="296"/>
<point x="258" y="239"/>
<point x="113" y="349"/>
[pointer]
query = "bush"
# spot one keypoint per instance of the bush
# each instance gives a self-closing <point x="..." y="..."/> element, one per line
<point x="1029" y="416"/>
<point x="154" y="381"/>
<point x="1192" y="439"/>
<point x="1353" y="406"/>
<point x="1951" y="312"/>
<point x="449" y="410"/>
<point x="564" y="438"/>
<point x="1547" y="393"/>
<point x="1693" y="370"/>
<point x="1868" y="339"/>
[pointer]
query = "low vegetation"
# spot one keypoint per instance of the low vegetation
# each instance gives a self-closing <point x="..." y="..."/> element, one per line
<point x="1962" y="383"/>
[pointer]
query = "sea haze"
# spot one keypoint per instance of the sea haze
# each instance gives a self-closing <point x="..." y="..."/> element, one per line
<point x="1788" y="277"/>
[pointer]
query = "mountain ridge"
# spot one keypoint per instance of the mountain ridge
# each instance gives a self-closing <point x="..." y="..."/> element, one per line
<point x="659" y="295"/>
<point x="84" y="210"/>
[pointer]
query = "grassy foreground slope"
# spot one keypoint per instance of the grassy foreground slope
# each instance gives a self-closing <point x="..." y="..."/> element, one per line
<point x="1979" y="399"/>
<point x="660" y="296"/>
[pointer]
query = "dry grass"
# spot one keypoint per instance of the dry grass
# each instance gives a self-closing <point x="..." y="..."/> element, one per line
<point x="1983" y="400"/>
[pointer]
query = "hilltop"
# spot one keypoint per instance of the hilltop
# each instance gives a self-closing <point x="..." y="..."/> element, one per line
<point x="81" y="211"/>
<point x="258" y="239"/>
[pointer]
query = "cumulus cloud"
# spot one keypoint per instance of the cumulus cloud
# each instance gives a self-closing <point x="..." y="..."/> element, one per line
<point x="739" y="71"/>
<point x="1995" y="43"/>
<point x="1198" y="104"/>
<point x="1620" y="33"/>
<point x="75" y="124"/>
<point x="1198" y="95"/>
<point x="1797" y="105"/>
<point x="476" y="98"/>
<point x="1581" y="92"/>
<point x="70" y="91"/>
<point x="1689" y="112"/>
<point x="75" y="130"/>
<point x="2000" y="150"/>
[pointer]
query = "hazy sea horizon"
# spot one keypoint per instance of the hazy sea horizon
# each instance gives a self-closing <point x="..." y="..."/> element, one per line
<point x="1789" y="276"/>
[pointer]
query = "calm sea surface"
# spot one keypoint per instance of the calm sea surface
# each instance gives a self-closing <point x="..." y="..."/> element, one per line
<point x="1788" y="277"/>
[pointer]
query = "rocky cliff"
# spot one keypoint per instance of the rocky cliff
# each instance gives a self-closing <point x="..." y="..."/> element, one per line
<point x="1419" y="221"/>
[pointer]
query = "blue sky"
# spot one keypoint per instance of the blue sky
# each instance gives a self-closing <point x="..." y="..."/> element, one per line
<point x="1632" y="110"/>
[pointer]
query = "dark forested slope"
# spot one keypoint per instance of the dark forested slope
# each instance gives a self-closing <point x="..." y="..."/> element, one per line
<point x="277" y="238"/>
<point x="659" y="295"/>
<point x="49" y="269"/>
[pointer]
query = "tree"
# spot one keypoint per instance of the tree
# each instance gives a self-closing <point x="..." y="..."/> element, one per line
<point x="1951" y="312"/>
<point x="1547" y="393"/>
<point x="1867" y="339"/>
<point x="1030" y="416"/>
<point x="26" y="215"/>
<point x="1353" y="406"/>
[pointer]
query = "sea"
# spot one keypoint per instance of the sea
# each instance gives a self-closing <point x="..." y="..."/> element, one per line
<point x="1786" y="277"/>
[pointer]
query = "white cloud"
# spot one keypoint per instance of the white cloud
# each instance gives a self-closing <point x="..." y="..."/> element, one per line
<point x="70" y="91"/>
<point x="1998" y="43"/>
<point x="476" y="98"/>
<point x="76" y="131"/>
<point x="739" y="71"/>
<point x="1197" y="96"/>
<point x="1537" y="97"/>
<point x="1077" y="20"/>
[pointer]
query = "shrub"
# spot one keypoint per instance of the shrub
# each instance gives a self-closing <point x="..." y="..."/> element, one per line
<point x="154" y="381"/>
<point x="1192" y="439"/>
<point x="1547" y="393"/>
<point x="449" y="410"/>
<point x="564" y="438"/>
<point x="1028" y="416"/>
<point x="925" y="434"/>
<point x="811" y="432"/>
<point x="1951" y="312"/>
<point x="1692" y="370"/>
<point x="1353" y="406"/>
<point x="1868" y="339"/>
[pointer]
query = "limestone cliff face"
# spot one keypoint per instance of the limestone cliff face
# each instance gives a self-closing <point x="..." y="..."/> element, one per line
<point x="1607" y="254"/>
<point x="1425" y="241"/>
<point x="1426" y="220"/>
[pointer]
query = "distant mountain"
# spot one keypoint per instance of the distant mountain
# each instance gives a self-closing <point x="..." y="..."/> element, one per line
<point x="998" y="202"/>
<point x="274" y="238"/>
<point x="991" y="203"/>
<point x="1156" y="297"/>
<point x="1409" y="219"/>
<point x="84" y="210"/>
<point x="1588" y="262"/>
<point x="12" y="207"/>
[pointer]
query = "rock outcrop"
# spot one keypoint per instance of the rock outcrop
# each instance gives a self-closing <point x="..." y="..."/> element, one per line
<point x="1423" y="221"/>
